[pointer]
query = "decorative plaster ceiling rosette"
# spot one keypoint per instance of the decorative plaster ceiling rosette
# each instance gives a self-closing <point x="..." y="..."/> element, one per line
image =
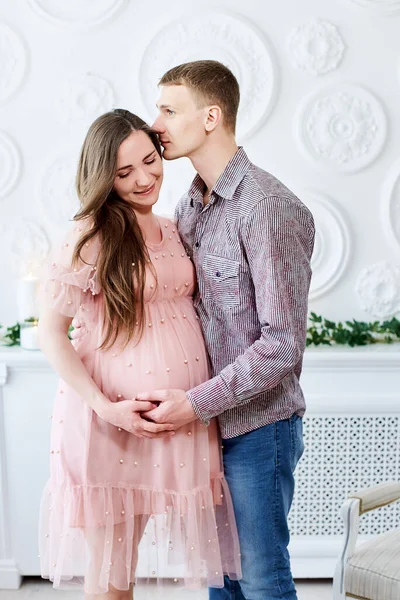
<point x="56" y="192"/>
<point x="77" y="12"/>
<point x="316" y="47"/>
<point x="10" y="164"/>
<point x="332" y="243"/>
<point x="341" y="127"/>
<point x="391" y="205"/>
<point x="85" y="97"/>
<point x="378" y="289"/>
<point x="384" y="7"/>
<point x="12" y="62"/>
<point x="24" y="244"/>
<point x="223" y="37"/>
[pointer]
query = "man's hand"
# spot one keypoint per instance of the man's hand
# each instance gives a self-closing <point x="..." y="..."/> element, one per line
<point x="174" y="407"/>
<point x="127" y="414"/>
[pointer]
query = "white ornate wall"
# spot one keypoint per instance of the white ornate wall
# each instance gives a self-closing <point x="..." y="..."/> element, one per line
<point x="320" y="94"/>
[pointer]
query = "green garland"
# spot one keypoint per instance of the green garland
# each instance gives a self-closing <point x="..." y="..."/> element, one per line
<point x="351" y="333"/>
<point x="320" y="332"/>
<point x="11" y="336"/>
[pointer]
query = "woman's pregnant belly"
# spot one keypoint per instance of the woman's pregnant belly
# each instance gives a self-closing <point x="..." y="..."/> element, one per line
<point x="171" y="354"/>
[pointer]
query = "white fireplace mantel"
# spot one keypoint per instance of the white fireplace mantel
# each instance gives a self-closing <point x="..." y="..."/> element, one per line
<point x="353" y="399"/>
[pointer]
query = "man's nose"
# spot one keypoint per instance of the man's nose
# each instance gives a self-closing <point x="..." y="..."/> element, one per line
<point x="157" y="125"/>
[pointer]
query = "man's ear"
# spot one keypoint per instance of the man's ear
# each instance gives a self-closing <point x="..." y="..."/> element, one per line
<point x="213" y="117"/>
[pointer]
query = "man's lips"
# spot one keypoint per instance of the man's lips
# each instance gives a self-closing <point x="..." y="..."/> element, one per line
<point x="146" y="192"/>
<point x="164" y="142"/>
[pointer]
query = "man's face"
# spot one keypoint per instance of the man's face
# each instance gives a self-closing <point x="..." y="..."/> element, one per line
<point x="180" y="122"/>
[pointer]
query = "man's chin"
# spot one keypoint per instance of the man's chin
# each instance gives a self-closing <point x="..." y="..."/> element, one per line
<point x="169" y="155"/>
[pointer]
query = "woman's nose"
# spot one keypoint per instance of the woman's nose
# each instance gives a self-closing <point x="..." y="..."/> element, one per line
<point x="143" y="179"/>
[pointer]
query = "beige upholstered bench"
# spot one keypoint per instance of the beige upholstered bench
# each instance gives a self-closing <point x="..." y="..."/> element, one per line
<point x="370" y="570"/>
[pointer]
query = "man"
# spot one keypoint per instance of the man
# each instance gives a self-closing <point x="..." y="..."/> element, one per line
<point x="251" y="241"/>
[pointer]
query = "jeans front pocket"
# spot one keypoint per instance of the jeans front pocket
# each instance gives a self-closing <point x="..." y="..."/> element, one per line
<point x="221" y="281"/>
<point x="296" y="437"/>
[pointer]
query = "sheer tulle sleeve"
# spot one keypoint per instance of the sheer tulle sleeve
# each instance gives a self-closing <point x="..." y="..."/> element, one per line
<point x="67" y="287"/>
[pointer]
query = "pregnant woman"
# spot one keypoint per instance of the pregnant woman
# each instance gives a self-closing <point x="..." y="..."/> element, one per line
<point x="123" y="274"/>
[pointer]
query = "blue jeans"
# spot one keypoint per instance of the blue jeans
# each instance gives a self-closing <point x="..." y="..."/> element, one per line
<point x="259" y="469"/>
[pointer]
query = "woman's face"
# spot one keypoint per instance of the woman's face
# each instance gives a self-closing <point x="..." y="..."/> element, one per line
<point x="139" y="172"/>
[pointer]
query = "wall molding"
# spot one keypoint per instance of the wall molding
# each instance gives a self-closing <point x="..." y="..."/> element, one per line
<point x="329" y="139"/>
<point x="227" y="37"/>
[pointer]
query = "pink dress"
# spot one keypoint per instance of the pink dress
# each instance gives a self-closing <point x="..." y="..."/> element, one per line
<point x="109" y="489"/>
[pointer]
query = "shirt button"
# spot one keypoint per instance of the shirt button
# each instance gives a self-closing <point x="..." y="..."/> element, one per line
<point x="218" y="274"/>
<point x="197" y="244"/>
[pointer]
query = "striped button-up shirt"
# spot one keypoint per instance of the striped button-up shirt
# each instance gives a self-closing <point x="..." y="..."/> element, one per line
<point x="251" y="246"/>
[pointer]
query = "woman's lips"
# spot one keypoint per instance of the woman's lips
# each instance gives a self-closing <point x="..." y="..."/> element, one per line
<point x="146" y="192"/>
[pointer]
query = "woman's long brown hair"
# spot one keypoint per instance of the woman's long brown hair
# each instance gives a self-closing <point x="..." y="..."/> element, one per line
<point x="114" y="221"/>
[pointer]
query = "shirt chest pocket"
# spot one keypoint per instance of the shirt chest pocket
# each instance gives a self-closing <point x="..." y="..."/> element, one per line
<point x="221" y="281"/>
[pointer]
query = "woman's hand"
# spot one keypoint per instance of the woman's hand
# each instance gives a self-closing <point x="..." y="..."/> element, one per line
<point x="127" y="414"/>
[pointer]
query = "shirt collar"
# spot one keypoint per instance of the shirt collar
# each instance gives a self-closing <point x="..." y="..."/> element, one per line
<point x="227" y="182"/>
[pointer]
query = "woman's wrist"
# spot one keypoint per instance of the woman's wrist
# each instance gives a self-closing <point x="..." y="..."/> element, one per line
<point x="100" y="404"/>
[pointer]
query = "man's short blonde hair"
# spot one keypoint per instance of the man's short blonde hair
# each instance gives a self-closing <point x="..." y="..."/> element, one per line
<point x="212" y="83"/>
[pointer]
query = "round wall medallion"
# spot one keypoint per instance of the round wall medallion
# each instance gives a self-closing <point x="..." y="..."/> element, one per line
<point x="85" y="97"/>
<point x="383" y="7"/>
<point x="56" y="193"/>
<point x="10" y="164"/>
<point x="76" y="12"/>
<point x="341" y="127"/>
<point x="12" y="62"/>
<point x="25" y="244"/>
<point x="332" y="243"/>
<point x="223" y="37"/>
<point x="378" y="289"/>
<point x="316" y="47"/>
<point x="391" y="205"/>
